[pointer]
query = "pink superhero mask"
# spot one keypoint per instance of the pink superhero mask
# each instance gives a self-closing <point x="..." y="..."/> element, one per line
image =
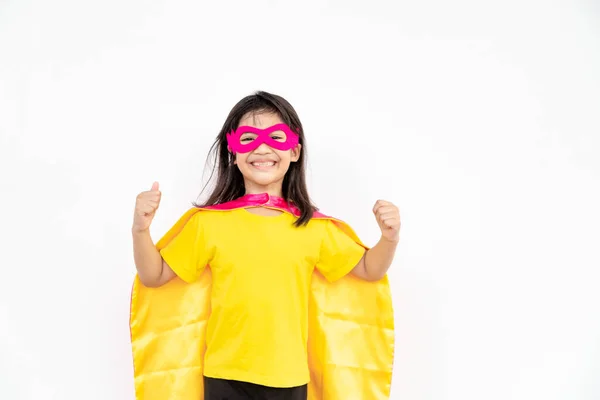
<point x="283" y="139"/>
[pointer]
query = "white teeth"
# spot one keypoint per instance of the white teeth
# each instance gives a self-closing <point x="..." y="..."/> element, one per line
<point x="263" y="164"/>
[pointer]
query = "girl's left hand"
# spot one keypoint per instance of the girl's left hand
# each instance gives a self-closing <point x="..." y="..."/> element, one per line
<point x="388" y="218"/>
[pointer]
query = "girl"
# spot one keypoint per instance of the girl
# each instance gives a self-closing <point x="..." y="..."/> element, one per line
<point x="292" y="306"/>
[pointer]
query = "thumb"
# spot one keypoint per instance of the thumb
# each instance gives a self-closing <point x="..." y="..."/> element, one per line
<point x="154" y="186"/>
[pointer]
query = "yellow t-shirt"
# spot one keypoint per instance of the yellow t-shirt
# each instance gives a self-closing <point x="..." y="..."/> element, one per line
<point x="261" y="271"/>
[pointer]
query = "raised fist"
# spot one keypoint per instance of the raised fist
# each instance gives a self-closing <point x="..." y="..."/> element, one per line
<point x="146" y="205"/>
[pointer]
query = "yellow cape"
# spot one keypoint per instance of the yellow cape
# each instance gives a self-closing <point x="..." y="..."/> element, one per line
<point x="350" y="346"/>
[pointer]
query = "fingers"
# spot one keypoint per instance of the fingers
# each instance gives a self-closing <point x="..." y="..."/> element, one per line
<point x="152" y="194"/>
<point x="386" y="210"/>
<point x="392" y="223"/>
<point x="143" y="203"/>
<point x="149" y="197"/>
<point x="387" y="214"/>
<point x="154" y="190"/>
<point x="145" y="209"/>
<point x="390" y="220"/>
<point x="147" y="202"/>
<point x="384" y="207"/>
<point x="381" y="203"/>
<point x="152" y="203"/>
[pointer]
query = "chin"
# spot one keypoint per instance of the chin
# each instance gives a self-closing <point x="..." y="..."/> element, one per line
<point x="262" y="178"/>
<point x="263" y="181"/>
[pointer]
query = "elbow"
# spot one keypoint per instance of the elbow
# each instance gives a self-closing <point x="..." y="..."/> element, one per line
<point x="148" y="281"/>
<point x="362" y="272"/>
<point x="151" y="280"/>
<point x="368" y="277"/>
<point x="152" y="277"/>
<point x="375" y="277"/>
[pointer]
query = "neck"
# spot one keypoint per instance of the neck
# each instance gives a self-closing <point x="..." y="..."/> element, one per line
<point x="274" y="189"/>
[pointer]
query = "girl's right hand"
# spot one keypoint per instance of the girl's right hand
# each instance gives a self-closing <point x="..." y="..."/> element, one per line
<point x="146" y="205"/>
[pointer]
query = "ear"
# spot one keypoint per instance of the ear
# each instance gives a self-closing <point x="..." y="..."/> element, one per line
<point x="296" y="153"/>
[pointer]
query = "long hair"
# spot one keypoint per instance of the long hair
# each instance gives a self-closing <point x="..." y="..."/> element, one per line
<point x="230" y="182"/>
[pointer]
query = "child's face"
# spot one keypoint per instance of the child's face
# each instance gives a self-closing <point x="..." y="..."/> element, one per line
<point x="265" y="167"/>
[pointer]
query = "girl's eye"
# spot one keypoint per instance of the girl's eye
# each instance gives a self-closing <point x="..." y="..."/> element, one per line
<point x="246" y="139"/>
<point x="277" y="137"/>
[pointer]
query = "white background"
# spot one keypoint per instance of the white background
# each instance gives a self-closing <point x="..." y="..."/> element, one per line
<point x="481" y="120"/>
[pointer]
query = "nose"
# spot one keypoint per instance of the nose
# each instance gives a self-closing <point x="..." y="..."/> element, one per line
<point x="263" y="149"/>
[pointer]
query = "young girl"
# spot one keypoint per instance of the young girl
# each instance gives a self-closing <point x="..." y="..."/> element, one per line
<point x="292" y="304"/>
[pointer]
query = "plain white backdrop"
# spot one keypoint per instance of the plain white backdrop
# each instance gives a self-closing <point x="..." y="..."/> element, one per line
<point x="480" y="120"/>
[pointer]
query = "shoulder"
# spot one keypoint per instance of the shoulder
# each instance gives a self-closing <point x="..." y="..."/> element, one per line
<point x="325" y="220"/>
<point x="331" y="227"/>
<point x="201" y="216"/>
<point x="322" y="224"/>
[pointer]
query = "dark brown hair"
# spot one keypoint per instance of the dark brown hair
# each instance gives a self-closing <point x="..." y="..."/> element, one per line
<point x="230" y="182"/>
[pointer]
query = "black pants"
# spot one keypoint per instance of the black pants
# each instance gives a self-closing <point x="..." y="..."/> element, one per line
<point x="222" y="389"/>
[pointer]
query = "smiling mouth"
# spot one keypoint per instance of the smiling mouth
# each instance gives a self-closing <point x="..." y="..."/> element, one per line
<point x="263" y="164"/>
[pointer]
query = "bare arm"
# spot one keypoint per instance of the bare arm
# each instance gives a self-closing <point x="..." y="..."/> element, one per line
<point x="152" y="269"/>
<point x="375" y="263"/>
